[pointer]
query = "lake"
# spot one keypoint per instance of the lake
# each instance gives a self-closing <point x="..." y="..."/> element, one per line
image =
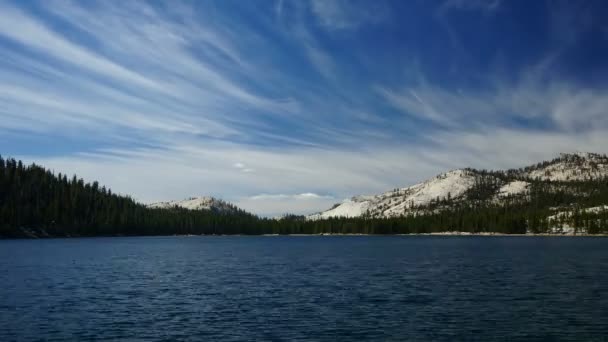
<point x="313" y="288"/>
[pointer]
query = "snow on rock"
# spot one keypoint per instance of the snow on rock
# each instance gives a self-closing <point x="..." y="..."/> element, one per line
<point x="564" y="229"/>
<point x="559" y="223"/>
<point x="513" y="188"/>
<point x="453" y="184"/>
<point x="353" y="207"/>
<point x="195" y="203"/>
<point x="571" y="167"/>
<point x="567" y="213"/>
<point x="595" y="210"/>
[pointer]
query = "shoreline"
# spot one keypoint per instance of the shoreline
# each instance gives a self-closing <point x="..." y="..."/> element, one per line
<point x="437" y="234"/>
<point x="441" y="234"/>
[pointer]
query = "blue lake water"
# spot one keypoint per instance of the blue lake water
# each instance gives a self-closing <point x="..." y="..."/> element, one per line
<point x="415" y="288"/>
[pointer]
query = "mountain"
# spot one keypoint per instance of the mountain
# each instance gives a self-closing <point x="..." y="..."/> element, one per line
<point x="198" y="203"/>
<point x="570" y="167"/>
<point x="472" y="187"/>
<point x="568" y="195"/>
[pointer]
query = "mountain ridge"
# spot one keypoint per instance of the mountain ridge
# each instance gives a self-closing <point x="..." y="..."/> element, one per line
<point x="198" y="203"/>
<point x="457" y="186"/>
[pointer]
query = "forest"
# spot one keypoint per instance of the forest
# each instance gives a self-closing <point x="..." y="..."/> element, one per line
<point x="35" y="202"/>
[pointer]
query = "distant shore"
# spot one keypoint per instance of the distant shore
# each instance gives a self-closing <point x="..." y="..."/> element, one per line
<point x="32" y="235"/>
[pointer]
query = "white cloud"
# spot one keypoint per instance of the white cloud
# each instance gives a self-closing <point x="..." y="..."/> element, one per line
<point x="243" y="168"/>
<point x="302" y="196"/>
<point x="279" y="204"/>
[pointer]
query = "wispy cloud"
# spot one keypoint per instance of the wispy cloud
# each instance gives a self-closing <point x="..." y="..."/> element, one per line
<point x="468" y="5"/>
<point x="560" y="106"/>
<point x="344" y="15"/>
<point x="278" y="8"/>
<point x="31" y="33"/>
<point x="159" y="74"/>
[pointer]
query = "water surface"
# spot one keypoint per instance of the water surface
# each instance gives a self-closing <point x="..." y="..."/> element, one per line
<point x="409" y="288"/>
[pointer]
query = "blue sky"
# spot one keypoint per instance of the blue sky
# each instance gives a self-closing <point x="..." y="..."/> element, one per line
<point x="293" y="105"/>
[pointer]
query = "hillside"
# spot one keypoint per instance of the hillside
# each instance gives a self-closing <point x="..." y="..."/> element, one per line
<point x="397" y="202"/>
<point x="198" y="203"/>
<point x="569" y="167"/>
<point x="470" y="187"/>
<point x="34" y="202"/>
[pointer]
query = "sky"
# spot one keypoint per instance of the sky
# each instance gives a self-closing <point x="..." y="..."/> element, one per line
<point x="290" y="106"/>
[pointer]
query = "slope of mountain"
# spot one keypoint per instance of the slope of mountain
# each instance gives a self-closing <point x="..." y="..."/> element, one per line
<point x="561" y="221"/>
<point x="354" y="207"/>
<point x="472" y="186"/>
<point x="197" y="203"/>
<point x="570" y="167"/>
<point x="450" y="185"/>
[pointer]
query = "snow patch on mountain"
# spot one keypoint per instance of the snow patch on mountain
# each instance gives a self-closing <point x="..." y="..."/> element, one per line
<point x="571" y="167"/>
<point x="513" y="189"/>
<point x="353" y="207"/>
<point x="451" y="184"/>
